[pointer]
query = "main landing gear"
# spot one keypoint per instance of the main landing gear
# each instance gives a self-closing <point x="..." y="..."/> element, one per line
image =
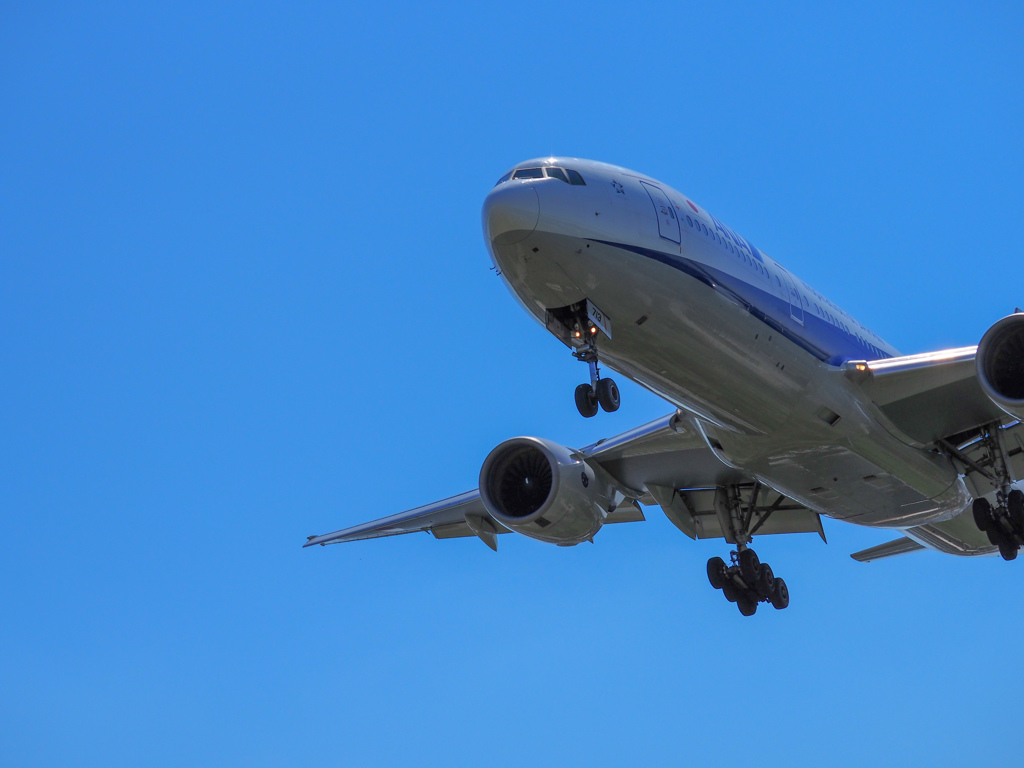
<point x="746" y="581"/>
<point x="599" y="392"/>
<point x="1003" y="522"/>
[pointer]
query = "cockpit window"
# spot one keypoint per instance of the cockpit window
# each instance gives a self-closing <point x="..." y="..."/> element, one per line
<point x="567" y="175"/>
<point x="529" y="173"/>
<point x="557" y="173"/>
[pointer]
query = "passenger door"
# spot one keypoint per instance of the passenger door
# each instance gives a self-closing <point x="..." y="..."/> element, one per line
<point x="668" y="221"/>
<point x="796" y="308"/>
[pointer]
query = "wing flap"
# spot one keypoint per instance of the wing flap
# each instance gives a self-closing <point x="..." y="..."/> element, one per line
<point x="695" y="512"/>
<point x="889" y="549"/>
<point x="452" y="531"/>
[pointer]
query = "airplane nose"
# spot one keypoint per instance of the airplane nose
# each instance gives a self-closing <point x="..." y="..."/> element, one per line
<point x="511" y="212"/>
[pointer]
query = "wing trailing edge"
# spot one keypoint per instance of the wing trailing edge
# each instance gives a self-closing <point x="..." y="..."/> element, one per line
<point x="890" y="549"/>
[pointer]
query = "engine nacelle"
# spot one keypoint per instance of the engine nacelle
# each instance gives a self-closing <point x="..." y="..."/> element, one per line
<point x="1000" y="364"/>
<point x="537" y="488"/>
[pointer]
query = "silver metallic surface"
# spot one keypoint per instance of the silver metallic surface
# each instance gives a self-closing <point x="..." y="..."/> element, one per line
<point x="775" y="386"/>
<point x="575" y="507"/>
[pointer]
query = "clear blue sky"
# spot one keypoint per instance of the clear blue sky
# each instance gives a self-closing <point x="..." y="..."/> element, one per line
<point x="244" y="298"/>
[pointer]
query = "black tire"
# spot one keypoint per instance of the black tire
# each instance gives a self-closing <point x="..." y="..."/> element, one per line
<point x="586" y="401"/>
<point x="750" y="567"/>
<point x="731" y="591"/>
<point x="1015" y="506"/>
<point x="1008" y="549"/>
<point x="982" y="514"/>
<point x="780" y="597"/>
<point x="747" y="606"/>
<point x="716" y="572"/>
<point x="765" y="585"/>
<point x="995" y="535"/>
<point x="608" y="395"/>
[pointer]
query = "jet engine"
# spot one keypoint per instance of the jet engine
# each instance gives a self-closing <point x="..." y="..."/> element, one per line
<point x="1000" y="364"/>
<point x="538" y="488"/>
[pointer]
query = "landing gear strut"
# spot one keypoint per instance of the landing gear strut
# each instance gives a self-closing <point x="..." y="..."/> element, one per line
<point x="1003" y="522"/>
<point x="746" y="581"/>
<point x="599" y="392"/>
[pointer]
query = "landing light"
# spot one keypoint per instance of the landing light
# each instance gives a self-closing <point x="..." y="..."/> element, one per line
<point x="861" y="367"/>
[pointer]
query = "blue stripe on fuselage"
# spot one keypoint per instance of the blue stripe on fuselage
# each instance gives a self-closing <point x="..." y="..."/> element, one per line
<point x="818" y="337"/>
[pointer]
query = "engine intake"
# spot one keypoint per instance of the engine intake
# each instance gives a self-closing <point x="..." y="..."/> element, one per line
<point x="538" y="488"/>
<point x="1000" y="364"/>
<point x="520" y="481"/>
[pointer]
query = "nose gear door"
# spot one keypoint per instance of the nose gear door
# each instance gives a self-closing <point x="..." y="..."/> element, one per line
<point x="668" y="221"/>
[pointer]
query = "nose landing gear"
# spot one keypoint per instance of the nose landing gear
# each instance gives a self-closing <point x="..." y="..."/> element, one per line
<point x="578" y="326"/>
<point x="599" y="392"/>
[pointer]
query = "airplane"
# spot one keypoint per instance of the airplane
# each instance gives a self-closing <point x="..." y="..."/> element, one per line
<point x="786" y="407"/>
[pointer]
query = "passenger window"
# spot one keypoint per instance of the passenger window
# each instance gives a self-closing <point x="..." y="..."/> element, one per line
<point x="529" y="173"/>
<point x="556" y="173"/>
<point x="705" y="229"/>
<point x="504" y="178"/>
<point x="689" y="221"/>
<point x="575" y="178"/>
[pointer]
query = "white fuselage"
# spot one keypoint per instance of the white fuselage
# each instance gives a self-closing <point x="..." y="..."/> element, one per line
<point x="705" y="320"/>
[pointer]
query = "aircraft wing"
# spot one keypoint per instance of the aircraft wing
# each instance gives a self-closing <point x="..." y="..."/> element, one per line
<point x="445" y="519"/>
<point x="931" y="396"/>
<point x="666" y="463"/>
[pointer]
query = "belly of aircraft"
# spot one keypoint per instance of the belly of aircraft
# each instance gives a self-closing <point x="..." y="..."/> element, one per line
<point x="759" y="396"/>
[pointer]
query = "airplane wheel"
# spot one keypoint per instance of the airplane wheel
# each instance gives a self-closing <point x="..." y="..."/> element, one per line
<point x="1008" y="549"/>
<point x="716" y="572"/>
<point x="747" y="606"/>
<point x="731" y="592"/>
<point x="608" y="395"/>
<point x="780" y="597"/>
<point x="586" y="401"/>
<point x="750" y="566"/>
<point x="995" y="535"/>
<point x="1015" y="506"/>
<point x="982" y="510"/>
<point x="765" y="584"/>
